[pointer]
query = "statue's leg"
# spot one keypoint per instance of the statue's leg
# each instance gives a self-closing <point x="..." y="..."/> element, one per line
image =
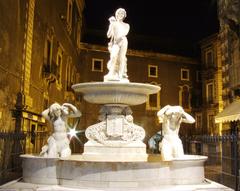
<point x="65" y="150"/>
<point x="166" y="150"/>
<point x="112" y="65"/>
<point x="52" y="147"/>
<point x="178" y="148"/>
<point x="123" y="60"/>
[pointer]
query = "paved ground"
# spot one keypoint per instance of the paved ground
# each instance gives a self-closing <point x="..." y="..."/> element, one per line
<point x="17" y="185"/>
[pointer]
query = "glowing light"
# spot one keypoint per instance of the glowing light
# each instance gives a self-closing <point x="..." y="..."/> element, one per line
<point x="72" y="132"/>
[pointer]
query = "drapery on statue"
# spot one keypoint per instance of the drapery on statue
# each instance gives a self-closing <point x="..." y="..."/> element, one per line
<point x="58" y="143"/>
<point x="117" y="31"/>
<point x="171" y="117"/>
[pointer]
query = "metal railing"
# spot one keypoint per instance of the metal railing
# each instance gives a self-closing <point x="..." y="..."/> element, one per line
<point x="12" y="145"/>
<point x="223" y="154"/>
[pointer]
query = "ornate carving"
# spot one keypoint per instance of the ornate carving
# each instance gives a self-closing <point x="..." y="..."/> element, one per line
<point x="116" y="127"/>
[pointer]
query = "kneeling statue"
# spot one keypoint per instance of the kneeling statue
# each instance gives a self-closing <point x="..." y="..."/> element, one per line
<point x="58" y="143"/>
<point x="171" y="117"/>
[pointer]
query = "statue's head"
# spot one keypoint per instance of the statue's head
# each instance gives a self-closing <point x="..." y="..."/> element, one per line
<point x="120" y="14"/>
<point x="175" y="112"/>
<point x="55" y="110"/>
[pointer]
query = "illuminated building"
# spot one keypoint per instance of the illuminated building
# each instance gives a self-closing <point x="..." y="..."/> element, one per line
<point x="39" y="54"/>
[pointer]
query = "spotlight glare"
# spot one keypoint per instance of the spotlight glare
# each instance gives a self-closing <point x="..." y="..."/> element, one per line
<point x="72" y="133"/>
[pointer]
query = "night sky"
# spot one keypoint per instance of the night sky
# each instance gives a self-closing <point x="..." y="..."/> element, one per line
<point x="174" y="26"/>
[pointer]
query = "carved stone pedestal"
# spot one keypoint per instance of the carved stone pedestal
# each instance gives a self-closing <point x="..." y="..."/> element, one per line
<point x="116" y="137"/>
<point x="135" y="151"/>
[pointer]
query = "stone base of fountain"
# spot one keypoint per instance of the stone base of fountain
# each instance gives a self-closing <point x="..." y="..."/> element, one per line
<point x="76" y="171"/>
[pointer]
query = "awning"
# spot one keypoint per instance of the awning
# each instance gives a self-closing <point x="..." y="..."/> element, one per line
<point x="230" y="113"/>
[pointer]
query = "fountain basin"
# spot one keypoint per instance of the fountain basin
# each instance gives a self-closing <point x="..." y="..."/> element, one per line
<point x="115" y="92"/>
<point x="76" y="171"/>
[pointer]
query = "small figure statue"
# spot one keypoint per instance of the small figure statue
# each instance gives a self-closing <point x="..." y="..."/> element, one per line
<point x="58" y="142"/>
<point x="171" y="117"/>
<point x="117" y="31"/>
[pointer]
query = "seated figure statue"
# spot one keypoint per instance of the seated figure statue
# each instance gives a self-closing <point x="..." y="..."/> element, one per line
<point x="58" y="143"/>
<point x="171" y="117"/>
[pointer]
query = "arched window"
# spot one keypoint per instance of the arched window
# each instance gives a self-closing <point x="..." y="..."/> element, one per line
<point x="184" y="97"/>
<point x="153" y="101"/>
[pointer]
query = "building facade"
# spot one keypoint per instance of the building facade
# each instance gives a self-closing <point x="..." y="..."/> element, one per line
<point x="39" y="54"/>
<point x="229" y="36"/>
<point x="229" y="18"/>
<point x="212" y="84"/>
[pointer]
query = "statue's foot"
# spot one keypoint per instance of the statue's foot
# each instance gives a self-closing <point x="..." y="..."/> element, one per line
<point x="111" y="77"/>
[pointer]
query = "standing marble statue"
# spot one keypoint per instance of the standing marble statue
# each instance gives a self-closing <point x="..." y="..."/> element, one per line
<point x="117" y="31"/>
<point x="171" y="117"/>
<point x="58" y="143"/>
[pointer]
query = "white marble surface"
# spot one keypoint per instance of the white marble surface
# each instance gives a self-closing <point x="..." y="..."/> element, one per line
<point x="115" y="92"/>
<point x="77" y="171"/>
<point x="40" y="169"/>
<point x="135" y="151"/>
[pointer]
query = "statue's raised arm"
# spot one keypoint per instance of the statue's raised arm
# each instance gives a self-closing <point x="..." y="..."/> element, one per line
<point x="70" y="110"/>
<point x="117" y="32"/>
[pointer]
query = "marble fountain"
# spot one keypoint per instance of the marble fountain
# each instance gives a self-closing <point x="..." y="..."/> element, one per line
<point x="114" y="156"/>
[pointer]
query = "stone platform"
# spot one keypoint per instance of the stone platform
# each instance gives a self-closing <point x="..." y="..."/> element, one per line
<point x="18" y="185"/>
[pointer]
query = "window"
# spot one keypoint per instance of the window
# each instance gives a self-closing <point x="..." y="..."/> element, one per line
<point x="198" y="76"/>
<point x="185" y="74"/>
<point x="97" y="65"/>
<point x="49" y="52"/>
<point x="210" y="92"/>
<point x="48" y="47"/>
<point x="152" y="71"/>
<point x="68" y="74"/>
<point x="153" y="101"/>
<point x="69" y="15"/>
<point x="209" y="58"/>
<point x="184" y="97"/>
<point x="198" y="123"/>
<point x="59" y="62"/>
